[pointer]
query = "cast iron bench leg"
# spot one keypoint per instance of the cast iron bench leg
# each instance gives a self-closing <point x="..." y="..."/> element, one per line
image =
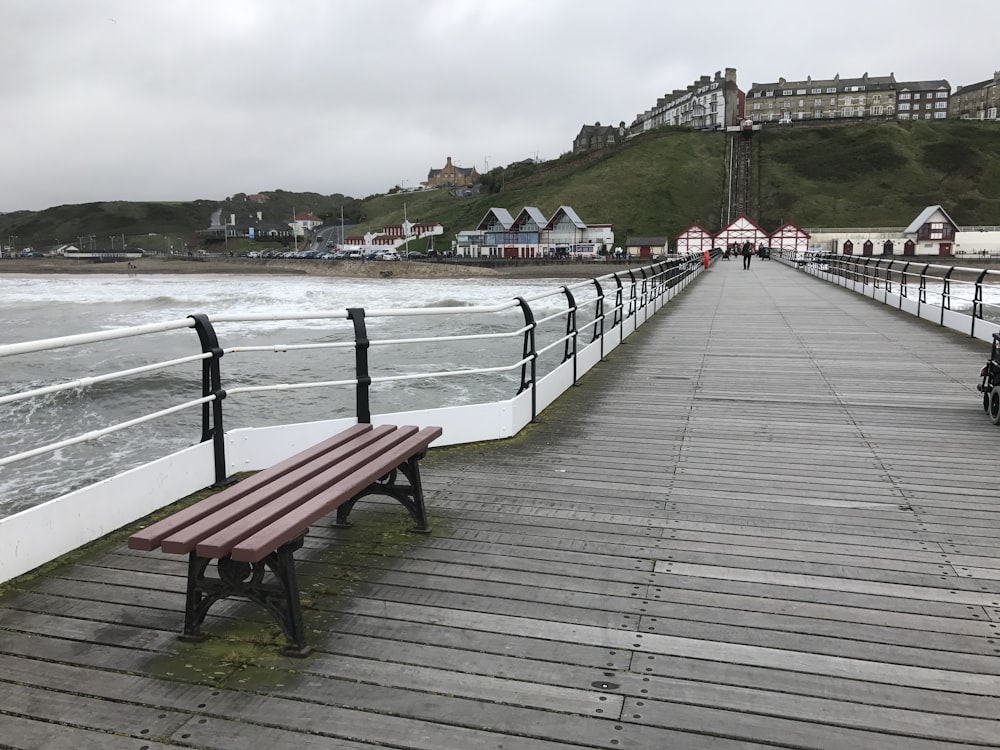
<point x="243" y="579"/>
<point x="410" y="497"/>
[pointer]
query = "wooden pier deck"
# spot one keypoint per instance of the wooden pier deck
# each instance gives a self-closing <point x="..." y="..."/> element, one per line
<point x="768" y="520"/>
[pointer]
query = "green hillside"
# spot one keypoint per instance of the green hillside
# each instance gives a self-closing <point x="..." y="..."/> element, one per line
<point x="876" y="174"/>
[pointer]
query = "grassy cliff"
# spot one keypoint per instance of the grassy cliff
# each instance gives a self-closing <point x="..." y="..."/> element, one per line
<point x="877" y="174"/>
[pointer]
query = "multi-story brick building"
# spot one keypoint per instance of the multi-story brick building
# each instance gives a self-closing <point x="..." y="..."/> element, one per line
<point x="592" y="137"/>
<point x="922" y="100"/>
<point x="451" y="176"/>
<point x="977" y="101"/>
<point x="822" y="99"/>
<point x="864" y="98"/>
<point x="710" y="103"/>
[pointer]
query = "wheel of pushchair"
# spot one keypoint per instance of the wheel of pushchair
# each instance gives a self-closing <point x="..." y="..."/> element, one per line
<point x="994" y="406"/>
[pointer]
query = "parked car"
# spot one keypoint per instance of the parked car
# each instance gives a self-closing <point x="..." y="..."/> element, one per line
<point x="355" y="255"/>
<point x="388" y="255"/>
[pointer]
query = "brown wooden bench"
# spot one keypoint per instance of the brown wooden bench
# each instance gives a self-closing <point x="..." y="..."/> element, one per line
<point x="254" y="527"/>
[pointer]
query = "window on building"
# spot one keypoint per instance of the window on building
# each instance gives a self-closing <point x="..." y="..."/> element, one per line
<point x="769" y="93"/>
<point x="756" y="106"/>
<point x="815" y="91"/>
<point x="904" y="107"/>
<point x="991" y="113"/>
<point x="940" y="105"/>
<point x="876" y="110"/>
<point x="847" y="112"/>
<point x="786" y="92"/>
<point x="833" y="101"/>
<point x="817" y="103"/>
<point x="916" y="95"/>
<point x="941" y="94"/>
<point x="832" y="90"/>
<point x="876" y="98"/>
<point x="904" y="95"/>
<point x="927" y="116"/>
<point x="802" y="103"/>
<point x="800" y="92"/>
<point x="940" y="115"/>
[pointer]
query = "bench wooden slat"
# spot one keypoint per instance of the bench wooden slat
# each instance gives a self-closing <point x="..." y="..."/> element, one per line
<point x="342" y="443"/>
<point x="283" y="489"/>
<point x="212" y="539"/>
<point x="297" y="521"/>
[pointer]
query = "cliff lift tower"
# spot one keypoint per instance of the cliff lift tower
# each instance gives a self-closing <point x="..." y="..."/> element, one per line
<point x="740" y="167"/>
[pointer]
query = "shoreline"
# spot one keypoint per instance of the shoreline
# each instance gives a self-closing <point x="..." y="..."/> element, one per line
<point x="281" y="267"/>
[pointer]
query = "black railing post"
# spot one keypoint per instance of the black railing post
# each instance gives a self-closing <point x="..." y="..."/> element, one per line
<point x="569" y="349"/>
<point x="644" y="295"/>
<point x="599" y="316"/>
<point x="619" y="304"/>
<point x="946" y="293"/>
<point x="361" y="373"/>
<point x="922" y="289"/>
<point x="212" y="427"/>
<point x="977" y="301"/>
<point x="529" y="352"/>
<point x="631" y="296"/>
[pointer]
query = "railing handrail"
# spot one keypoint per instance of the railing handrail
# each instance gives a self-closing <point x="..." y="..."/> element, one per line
<point x="659" y="278"/>
<point x="866" y="271"/>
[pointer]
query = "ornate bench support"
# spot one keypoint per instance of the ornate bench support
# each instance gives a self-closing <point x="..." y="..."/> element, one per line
<point x="246" y="580"/>
<point x="409" y="496"/>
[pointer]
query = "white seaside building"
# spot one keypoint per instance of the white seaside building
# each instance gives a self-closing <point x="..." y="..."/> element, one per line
<point x="932" y="234"/>
<point x="531" y="235"/>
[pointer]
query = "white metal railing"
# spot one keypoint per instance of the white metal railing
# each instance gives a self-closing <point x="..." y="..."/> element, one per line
<point x="556" y="348"/>
<point x="964" y="299"/>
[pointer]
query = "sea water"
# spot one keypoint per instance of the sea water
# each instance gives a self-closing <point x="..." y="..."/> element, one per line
<point x="41" y="307"/>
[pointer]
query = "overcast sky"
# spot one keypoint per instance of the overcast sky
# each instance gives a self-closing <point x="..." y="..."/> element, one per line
<point x="175" y="100"/>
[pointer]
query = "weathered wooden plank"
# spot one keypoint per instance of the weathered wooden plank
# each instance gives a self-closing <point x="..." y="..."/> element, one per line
<point x="775" y="537"/>
<point x="21" y="733"/>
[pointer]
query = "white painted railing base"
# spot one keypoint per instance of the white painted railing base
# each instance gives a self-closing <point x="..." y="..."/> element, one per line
<point x="962" y="322"/>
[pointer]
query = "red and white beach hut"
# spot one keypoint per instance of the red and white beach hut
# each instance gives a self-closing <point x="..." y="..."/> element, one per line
<point x="694" y="240"/>
<point x="739" y="230"/>
<point x="790" y="239"/>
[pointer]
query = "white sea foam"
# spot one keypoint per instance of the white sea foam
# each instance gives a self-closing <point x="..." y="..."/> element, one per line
<point x="50" y="306"/>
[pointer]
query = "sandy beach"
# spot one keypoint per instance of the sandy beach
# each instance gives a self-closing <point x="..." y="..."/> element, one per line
<point x="343" y="268"/>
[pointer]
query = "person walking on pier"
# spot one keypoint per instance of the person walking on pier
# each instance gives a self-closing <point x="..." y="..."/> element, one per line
<point x="747" y="254"/>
